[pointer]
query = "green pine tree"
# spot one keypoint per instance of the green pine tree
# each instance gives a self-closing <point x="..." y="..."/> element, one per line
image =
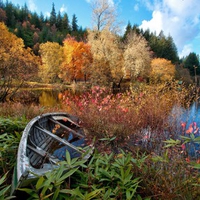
<point x="53" y="15"/>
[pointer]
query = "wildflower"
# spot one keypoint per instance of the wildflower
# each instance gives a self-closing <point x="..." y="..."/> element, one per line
<point x="125" y="110"/>
<point x="183" y="146"/>
<point x="100" y="108"/>
<point x="190" y="129"/>
<point x="187" y="160"/>
<point x="183" y="124"/>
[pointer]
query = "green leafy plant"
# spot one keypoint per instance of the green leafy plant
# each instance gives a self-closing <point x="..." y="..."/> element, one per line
<point x="102" y="177"/>
<point x="51" y="185"/>
<point x="8" y="150"/>
<point x="4" y="190"/>
<point x="111" y="174"/>
<point x="8" y="125"/>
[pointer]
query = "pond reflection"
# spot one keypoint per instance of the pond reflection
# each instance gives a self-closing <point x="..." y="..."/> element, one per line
<point x="192" y="114"/>
<point x="49" y="98"/>
<point x="190" y="127"/>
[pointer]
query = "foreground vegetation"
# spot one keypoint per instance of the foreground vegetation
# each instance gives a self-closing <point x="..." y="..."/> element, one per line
<point x="139" y="151"/>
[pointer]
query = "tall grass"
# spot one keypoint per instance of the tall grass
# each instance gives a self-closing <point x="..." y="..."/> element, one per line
<point x="19" y="110"/>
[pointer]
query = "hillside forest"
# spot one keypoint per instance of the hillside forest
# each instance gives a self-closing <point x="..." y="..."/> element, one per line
<point x="56" y="50"/>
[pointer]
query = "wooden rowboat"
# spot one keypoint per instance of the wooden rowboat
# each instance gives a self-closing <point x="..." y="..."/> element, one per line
<point x="44" y="143"/>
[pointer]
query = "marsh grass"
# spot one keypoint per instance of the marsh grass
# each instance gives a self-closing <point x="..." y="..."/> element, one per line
<point x="18" y="110"/>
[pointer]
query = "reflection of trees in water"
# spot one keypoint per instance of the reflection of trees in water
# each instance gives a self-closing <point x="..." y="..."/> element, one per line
<point x="186" y="115"/>
<point x="49" y="98"/>
<point x="38" y="97"/>
<point x="192" y="114"/>
<point x="43" y="97"/>
<point x="27" y="97"/>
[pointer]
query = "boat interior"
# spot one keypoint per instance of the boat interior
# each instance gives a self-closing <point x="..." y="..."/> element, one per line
<point x="50" y="137"/>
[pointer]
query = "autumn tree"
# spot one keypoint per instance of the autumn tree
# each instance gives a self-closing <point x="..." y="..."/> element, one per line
<point x="52" y="57"/>
<point x="137" y="56"/>
<point x="104" y="15"/>
<point x="77" y="60"/>
<point x="16" y="63"/>
<point x="107" y="64"/>
<point x="161" y="70"/>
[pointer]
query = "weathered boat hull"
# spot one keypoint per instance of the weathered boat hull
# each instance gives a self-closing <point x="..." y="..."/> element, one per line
<point x="44" y="143"/>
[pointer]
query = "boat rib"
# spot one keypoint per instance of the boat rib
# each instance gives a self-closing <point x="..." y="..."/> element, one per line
<point x="58" y="139"/>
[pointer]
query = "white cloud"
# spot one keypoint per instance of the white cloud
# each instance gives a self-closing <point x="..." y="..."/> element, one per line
<point x="155" y="24"/>
<point x="186" y="50"/>
<point x="136" y="7"/>
<point x="179" y="18"/>
<point x="63" y="9"/>
<point x="31" y="5"/>
<point x="110" y="2"/>
<point x="47" y="14"/>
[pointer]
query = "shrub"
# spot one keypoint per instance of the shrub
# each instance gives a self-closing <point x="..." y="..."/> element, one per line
<point x="130" y="117"/>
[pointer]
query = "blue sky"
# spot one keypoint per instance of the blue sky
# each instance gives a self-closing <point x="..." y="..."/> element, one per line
<point x="179" y="18"/>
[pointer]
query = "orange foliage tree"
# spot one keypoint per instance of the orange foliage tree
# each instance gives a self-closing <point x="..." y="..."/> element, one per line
<point x="77" y="59"/>
<point x="16" y="63"/>
<point x="161" y="70"/>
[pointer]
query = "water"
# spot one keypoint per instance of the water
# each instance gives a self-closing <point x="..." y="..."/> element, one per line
<point x="49" y="98"/>
<point x="192" y="114"/>
<point x="190" y="121"/>
<point x="42" y="97"/>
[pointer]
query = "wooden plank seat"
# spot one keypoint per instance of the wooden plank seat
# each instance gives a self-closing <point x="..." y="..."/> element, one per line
<point x="67" y="128"/>
<point x="44" y="154"/>
<point x="55" y="137"/>
<point x="40" y="150"/>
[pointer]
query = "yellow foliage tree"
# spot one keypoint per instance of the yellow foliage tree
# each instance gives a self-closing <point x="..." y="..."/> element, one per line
<point x="16" y="63"/>
<point x="52" y="58"/>
<point x="137" y="56"/>
<point x="107" y="64"/>
<point x="161" y="70"/>
<point x="77" y="59"/>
